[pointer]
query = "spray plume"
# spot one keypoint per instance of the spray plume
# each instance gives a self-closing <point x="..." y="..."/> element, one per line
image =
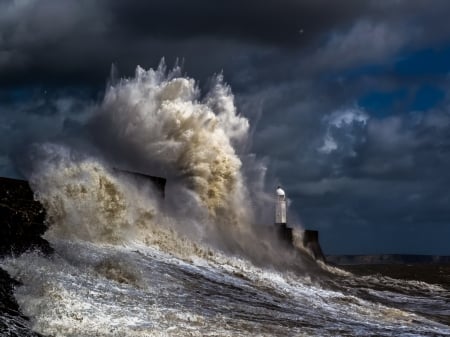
<point x="157" y="122"/>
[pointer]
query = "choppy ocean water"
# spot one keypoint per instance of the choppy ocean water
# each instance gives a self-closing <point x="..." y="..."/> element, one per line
<point x="103" y="290"/>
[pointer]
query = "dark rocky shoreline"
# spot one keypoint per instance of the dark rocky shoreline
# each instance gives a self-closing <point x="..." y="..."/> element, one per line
<point x="22" y="219"/>
<point x="21" y="226"/>
<point x="429" y="273"/>
<point x="387" y="259"/>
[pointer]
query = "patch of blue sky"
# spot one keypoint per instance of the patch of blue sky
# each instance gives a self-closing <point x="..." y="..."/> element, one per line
<point x="402" y="100"/>
<point x="427" y="97"/>
<point x="424" y="62"/>
<point x="383" y="103"/>
<point x="427" y="66"/>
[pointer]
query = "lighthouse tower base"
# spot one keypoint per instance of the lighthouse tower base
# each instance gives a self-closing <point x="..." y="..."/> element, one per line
<point x="304" y="239"/>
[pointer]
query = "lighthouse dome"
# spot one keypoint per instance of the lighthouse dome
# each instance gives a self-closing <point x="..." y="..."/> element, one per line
<point x="280" y="192"/>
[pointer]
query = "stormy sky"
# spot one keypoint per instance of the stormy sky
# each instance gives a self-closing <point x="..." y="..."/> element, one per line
<point x="348" y="100"/>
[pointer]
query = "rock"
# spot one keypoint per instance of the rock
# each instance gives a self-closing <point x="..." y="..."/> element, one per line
<point x="22" y="222"/>
<point x="22" y="219"/>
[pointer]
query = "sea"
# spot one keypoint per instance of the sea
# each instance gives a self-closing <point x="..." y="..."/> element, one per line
<point x="86" y="289"/>
<point x="127" y="262"/>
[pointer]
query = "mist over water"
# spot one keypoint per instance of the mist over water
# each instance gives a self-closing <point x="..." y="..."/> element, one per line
<point x="201" y="261"/>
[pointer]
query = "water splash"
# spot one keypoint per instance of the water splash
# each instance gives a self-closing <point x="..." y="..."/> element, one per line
<point x="159" y="121"/>
<point x="84" y="200"/>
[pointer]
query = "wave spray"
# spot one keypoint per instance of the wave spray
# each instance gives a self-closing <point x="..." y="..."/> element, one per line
<point x="157" y="122"/>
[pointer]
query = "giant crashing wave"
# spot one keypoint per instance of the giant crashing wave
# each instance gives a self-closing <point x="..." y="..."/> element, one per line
<point x="159" y="122"/>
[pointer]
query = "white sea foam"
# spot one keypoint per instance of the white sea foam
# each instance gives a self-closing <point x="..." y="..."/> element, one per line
<point x="94" y="290"/>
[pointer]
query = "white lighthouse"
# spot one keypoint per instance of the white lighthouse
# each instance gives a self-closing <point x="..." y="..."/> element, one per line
<point x="280" y="207"/>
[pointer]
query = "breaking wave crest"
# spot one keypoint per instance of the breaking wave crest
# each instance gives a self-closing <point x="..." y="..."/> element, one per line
<point x="157" y="122"/>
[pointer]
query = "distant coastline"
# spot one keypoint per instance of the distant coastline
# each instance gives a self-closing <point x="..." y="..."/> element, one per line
<point x="387" y="259"/>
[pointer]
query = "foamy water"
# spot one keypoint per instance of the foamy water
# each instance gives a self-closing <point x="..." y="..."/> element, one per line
<point x="127" y="263"/>
<point x="92" y="290"/>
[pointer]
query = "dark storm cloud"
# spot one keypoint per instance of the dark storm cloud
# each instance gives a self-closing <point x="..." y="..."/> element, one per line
<point x="290" y="62"/>
<point x="68" y="40"/>
<point x="273" y="22"/>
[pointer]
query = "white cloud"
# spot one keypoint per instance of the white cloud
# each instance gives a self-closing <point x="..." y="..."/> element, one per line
<point x="341" y="119"/>
<point x="344" y="117"/>
<point x="329" y="144"/>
